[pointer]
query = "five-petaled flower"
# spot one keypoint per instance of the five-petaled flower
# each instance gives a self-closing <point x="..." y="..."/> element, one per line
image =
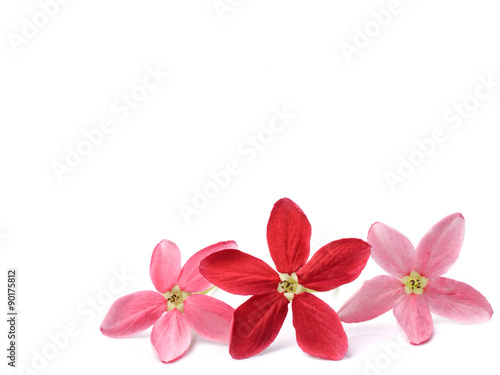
<point x="415" y="287"/>
<point x="257" y="321"/>
<point x="179" y="306"/>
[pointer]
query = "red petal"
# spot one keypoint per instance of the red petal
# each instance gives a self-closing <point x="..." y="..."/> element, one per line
<point x="133" y="313"/>
<point x="318" y="328"/>
<point x="456" y="300"/>
<point x="439" y="249"/>
<point x="376" y="297"/>
<point x="209" y="317"/>
<point x="256" y="324"/>
<point x="171" y="336"/>
<point x="288" y="236"/>
<point x="239" y="273"/>
<point x="335" y="264"/>
<point x="190" y="279"/>
<point x="165" y="266"/>
<point x="414" y="317"/>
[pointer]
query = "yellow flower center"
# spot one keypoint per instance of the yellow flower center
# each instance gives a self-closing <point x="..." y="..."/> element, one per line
<point x="289" y="285"/>
<point x="175" y="299"/>
<point x="414" y="283"/>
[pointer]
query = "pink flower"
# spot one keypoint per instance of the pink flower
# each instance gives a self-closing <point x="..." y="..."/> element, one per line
<point x="178" y="307"/>
<point x="414" y="288"/>
<point x="258" y="321"/>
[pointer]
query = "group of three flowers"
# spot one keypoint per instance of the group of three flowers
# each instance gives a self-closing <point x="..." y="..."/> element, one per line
<point x="413" y="289"/>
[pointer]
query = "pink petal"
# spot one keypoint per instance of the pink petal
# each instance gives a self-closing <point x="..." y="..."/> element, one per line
<point x="318" y="328"/>
<point x="376" y="297"/>
<point x="440" y="247"/>
<point x="133" y="313"/>
<point x="256" y="324"/>
<point x="335" y="264"/>
<point x="391" y="250"/>
<point x="456" y="300"/>
<point x="414" y="317"/>
<point x="239" y="273"/>
<point x="165" y="266"/>
<point x="288" y="236"/>
<point x="191" y="279"/>
<point x="209" y="317"/>
<point x="171" y="336"/>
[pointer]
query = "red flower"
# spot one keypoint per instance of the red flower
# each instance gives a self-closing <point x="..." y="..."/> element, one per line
<point x="257" y="322"/>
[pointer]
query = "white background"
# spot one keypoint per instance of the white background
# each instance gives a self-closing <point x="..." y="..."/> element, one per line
<point x="226" y="76"/>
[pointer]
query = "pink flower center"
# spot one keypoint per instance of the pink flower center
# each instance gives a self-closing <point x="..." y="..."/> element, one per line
<point x="175" y="299"/>
<point x="414" y="283"/>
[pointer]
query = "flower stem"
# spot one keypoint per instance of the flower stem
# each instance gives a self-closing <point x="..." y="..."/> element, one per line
<point x="208" y="290"/>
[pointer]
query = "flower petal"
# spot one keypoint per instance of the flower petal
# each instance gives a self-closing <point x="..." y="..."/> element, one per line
<point x="456" y="300"/>
<point x="133" y="313"/>
<point x="256" y="324"/>
<point x="191" y="279"/>
<point x="391" y="250"/>
<point x="318" y="328"/>
<point x="414" y="317"/>
<point x="376" y="297"/>
<point x="288" y="236"/>
<point x="171" y="336"/>
<point x="209" y="317"/>
<point x="239" y="273"/>
<point x="335" y="264"/>
<point x="165" y="266"/>
<point x="439" y="249"/>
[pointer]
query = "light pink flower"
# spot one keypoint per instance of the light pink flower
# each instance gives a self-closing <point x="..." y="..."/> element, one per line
<point x="415" y="287"/>
<point x="178" y="306"/>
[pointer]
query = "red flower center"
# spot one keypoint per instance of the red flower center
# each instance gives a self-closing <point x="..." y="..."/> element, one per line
<point x="289" y="285"/>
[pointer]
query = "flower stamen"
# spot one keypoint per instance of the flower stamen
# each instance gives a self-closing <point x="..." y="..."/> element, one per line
<point x="414" y="283"/>
<point x="289" y="285"/>
<point x="175" y="299"/>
